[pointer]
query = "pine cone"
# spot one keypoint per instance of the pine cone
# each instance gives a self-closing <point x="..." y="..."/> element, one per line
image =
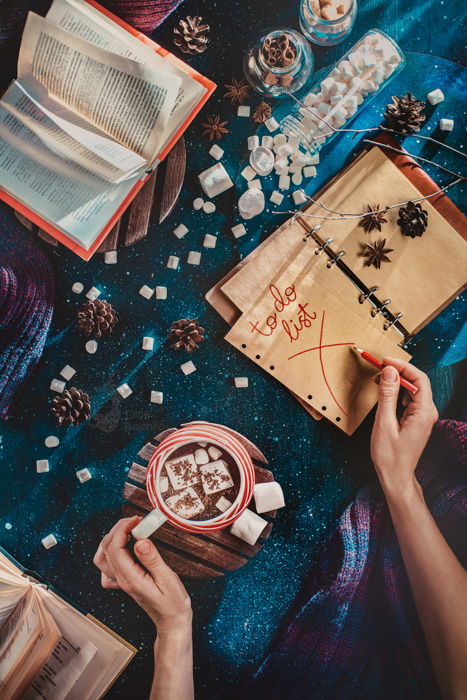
<point x="405" y="114"/>
<point x="191" y="35"/>
<point x="185" y="334"/>
<point x="412" y="220"/>
<point x="71" y="407"/>
<point x="97" y="318"/>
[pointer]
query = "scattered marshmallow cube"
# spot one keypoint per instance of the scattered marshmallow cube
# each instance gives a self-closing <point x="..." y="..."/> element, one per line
<point x="241" y="382"/>
<point x="248" y="526"/>
<point x="83" y="475"/>
<point x="57" y="385"/>
<point x="157" y="397"/>
<point x="215" y="180"/>
<point x="215" y="477"/>
<point x="173" y="262"/>
<point x="163" y="484"/>
<point x="148" y="343"/>
<point x="110" y="257"/>
<point x="267" y="141"/>
<point x="253" y="142"/>
<point x="435" y="97"/>
<point x="186" y="504"/>
<point x="243" y="111"/>
<point x="284" y="182"/>
<point x="446" y="124"/>
<point x="201" y="456"/>
<point x="309" y="171"/>
<point x="182" y="471"/>
<point x="216" y="151"/>
<point x="299" y="197"/>
<point x="49" y="541"/>
<point x="124" y="391"/>
<point x="297" y="177"/>
<point x="51" y="441"/>
<point x="276" y="197"/>
<point x="271" y="124"/>
<point x="223" y="504"/>
<point x="188" y="367"/>
<point x="77" y="287"/>
<point x="42" y="466"/>
<point x="93" y="293"/>
<point x="146" y="291"/>
<point x="161" y="292"/>
<point x="210" y="241"/>
<point x="180" y="231"/>
<point x="239" y="230"/>
<point x="203" y="444"/>
<point x="68" y="372"/>
<point x="214" y="452"/>
<point x="209" y="207"/>
<point x="254" y="184"/>
<point x="198" y="203"/>
<point x="91" y="346"/>
<point x="248" y="173"/>
<point x="194" y="257"/>
<point x="268" y="496"/>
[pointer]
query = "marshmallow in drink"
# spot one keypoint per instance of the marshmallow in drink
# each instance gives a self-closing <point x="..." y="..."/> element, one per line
<point x="435" y="97"/>
<point x="214" y="452"/>
<point x="201" y="456"/>
<point x="261" y="161"/>
<point x="251" y="203"/>
<point x="223" y="504"/>
<point x="163" y="484"/>
<point x="446" y="124"/>
<point x="253" y="142"/>
<point x="215" y="477"/>
<point x="248" y="526"/>
<point x="268" y="496"/>
<point x="182" y="471"/>
<point x="215" y="180"/>
<point x="186" y="504"/>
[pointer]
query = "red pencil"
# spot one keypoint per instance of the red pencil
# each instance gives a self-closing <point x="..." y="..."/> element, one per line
<point x="379" y="365"/>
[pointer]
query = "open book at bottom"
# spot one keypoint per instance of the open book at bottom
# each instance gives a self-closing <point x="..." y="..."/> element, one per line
<point x="48" y="648"/>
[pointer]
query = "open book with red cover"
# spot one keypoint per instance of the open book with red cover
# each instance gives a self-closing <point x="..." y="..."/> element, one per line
<point x="94" y="109"/>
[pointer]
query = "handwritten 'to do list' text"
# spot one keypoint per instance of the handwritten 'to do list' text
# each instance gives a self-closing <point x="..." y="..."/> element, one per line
<point x="282" y="300"/>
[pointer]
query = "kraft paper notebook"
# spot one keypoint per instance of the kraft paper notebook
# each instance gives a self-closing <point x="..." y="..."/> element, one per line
<point x="49" y="649"/>
<point x="96" y="106"/>
<point x="301" y="305"/>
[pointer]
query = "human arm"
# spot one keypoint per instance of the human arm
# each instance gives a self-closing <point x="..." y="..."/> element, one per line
<point x="159" y="591"/>
<point x="437" y="579"/>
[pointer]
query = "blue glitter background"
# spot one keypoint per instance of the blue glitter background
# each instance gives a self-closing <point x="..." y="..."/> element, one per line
<point x="319" y="468"/>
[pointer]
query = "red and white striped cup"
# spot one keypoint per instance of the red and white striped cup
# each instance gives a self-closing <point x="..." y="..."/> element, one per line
<point x="214" y="435"/>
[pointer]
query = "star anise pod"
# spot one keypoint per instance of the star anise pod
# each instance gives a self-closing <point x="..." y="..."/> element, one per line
<point x="262" y="112"/>
<point x="237" y="91"/>
<point x="373" y="219"/>
<point x="376" y="253"/>
<point x="214" y="128"/>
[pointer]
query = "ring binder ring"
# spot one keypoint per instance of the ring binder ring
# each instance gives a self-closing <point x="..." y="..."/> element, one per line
<point x="308" y="234"/>
<point x="323" y="245"/>
<point x="336" y="258"/>
<point x="380" y="309"/>
<point x="363" y="297"/>
<point x="388" y="325"/>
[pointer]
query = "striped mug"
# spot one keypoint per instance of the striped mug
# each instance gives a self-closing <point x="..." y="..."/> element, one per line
<point x="203" y="433"/>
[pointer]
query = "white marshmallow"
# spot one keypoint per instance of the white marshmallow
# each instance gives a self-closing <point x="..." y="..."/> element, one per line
<point x="311" y="99"/>
<point x="148" y="343"/>
<point x="215" y="477"/>
<point x="435" y="96"/>
<point x="210" y="241"/>
<point x="51" y="441"/>
<point x="446" y="124"/>
<point x="214" y="452"/>
<point x="161" y="292"/>
<point x="49" y="541"/>
<point x="262" y="161"/>
<point x="276" y="197"/>
<point x="198" y="203"/>
<point x="182" y="471"/>
<point x="215" y="180"/>
<point x="110" y="257"/>
<point x="68" y="372"/>
<point x="201" y="456"/>
<point x="284" y="182"/>
<point x="299" y="197"/>
<point x="91" y="346"/>
<point x="255" y="184"/>
<point x="309" y="171"/>
<point x="223" y="504"/>
<point x="42" y="466"/>
<point x="209" y="207"/>
<point x="253" y="142"/>
<point x="248" y="526"/>
<point x="297" y="178"/>
<point x="346" y="70"/>
<point x="163" y="484"/>
<point x="93" y="293"/>
<point x="188" y="367"/>
<point x="239" y="230"/>
<point x="83" y="475"/>
<point x="146" y="291"/>
<point x="248" y="173"/>
<point x="124" y="391"/>
<point x="173" y="262"/>
<point x="194" y="257"/>
<point x="243" y="111"/>
<point x="267" y="141"/>
<point x="271" y="124"/>
<point x="268" y="496"/>
<point x="77" y="287"/>
<point x="327" y="84"/>
<point x="57" y="385"/>
<point x="216" y="151"/>
<point x="186" y="504"/>
<point x="324" y="108"/>
<point x="180" y="231"/>
<point x="157" y="396"/>
<point x="241" y="382"/>
<point x="285" y="150"/>
<point x="251" y="203"/>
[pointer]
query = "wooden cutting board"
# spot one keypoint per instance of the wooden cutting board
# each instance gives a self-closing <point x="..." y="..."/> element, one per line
<point x="155" y="201"/>
<point x="192" y="555"/>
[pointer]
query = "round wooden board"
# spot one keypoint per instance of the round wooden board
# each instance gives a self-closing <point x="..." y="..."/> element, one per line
<point x="189" y="554"/>
<point x="156" y="199"/>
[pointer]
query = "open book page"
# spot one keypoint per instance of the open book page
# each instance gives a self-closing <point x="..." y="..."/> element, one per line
<point x="61" y="672"/>
<point x="126" y="99"/>
<point x="69" y="135"/>
<point x="78" y="632"/>
<point x="66" y="195"/>
<point x="302" y="334"/>
<point x="83" y="20"/>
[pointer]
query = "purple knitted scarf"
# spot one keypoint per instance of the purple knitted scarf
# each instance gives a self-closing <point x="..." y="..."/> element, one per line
<point x="357" y="634"/>
<point x="26" y="306"/>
